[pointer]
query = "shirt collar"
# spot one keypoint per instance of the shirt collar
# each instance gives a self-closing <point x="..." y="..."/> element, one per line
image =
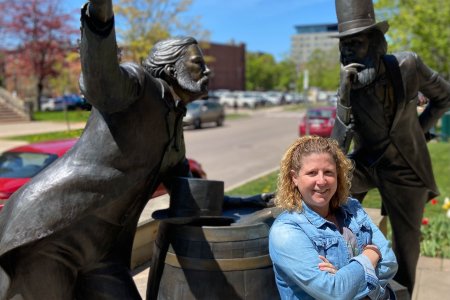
<point x="171" y="98"/>
<point x="317" y="220"/>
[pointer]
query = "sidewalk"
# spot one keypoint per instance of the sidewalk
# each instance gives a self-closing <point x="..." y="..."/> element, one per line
<point x="34" y="127"/>
<point x="433" y="274"/>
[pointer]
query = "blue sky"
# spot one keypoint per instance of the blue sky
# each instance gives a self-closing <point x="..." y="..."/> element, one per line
<point x="263" y="25"/>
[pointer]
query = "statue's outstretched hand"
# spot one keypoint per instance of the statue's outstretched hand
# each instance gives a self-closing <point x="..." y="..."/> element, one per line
<point x="101" y="10"/>
<point x="348" y="75"/>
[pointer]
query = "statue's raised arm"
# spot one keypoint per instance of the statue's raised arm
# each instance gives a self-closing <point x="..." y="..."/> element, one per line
<point x="100" y="10"/>
<point x="107" y="85"/>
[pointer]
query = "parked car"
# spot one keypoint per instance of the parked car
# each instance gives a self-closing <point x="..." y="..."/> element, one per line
<point x="320" y="121"/>
<point x="250" y="99"/>
<point x="228" y="99"/>
<point x="68" y="101"/>
<point x="18" y="165"/>
<point x="52" y="104"/>
<point x="274" y="97"/>
<point x="204" y="111"/>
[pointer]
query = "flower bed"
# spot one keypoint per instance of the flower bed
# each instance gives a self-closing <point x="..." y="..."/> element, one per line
<point x="436" y="231"/>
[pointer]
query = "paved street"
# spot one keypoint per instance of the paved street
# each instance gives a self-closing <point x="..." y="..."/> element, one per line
<point x="244" y="148"/>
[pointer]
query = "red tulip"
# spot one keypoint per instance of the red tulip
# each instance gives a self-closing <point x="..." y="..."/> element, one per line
<point x="425" y="221"/>
<point x="434" y="201"/>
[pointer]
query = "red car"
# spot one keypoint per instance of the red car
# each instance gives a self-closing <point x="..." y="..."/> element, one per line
<point x="19" y="164"/>
<point x="320" y="121"/>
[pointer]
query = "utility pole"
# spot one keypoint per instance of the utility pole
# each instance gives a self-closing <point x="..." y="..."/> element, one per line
<point x="305" y="96"/>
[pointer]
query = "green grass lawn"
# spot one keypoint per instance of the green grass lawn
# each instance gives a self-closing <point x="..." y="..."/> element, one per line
<point x="48" y="136"/>
<point x="236" y="116"/>
<point x="61" y="116"/>
<point x="82" y="116"/>
<point x="304" y="106"/>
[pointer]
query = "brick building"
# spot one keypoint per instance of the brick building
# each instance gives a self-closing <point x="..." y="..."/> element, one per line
<point x="227" y="64"/>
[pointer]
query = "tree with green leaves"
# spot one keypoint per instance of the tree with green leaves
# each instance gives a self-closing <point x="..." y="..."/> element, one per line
<point x="286" y="75"/>
<point x="69" y="69"/>
<point x="323" y="68"/>
<point x="148" y="21"/>
<point x="421" y="26"/>
<point x="260" y="71"/>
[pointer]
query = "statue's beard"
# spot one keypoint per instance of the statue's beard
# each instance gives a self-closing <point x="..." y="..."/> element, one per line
<point x="365" y="77"/>
<point x="198" y="88"/>
<point x="368" y="74"/>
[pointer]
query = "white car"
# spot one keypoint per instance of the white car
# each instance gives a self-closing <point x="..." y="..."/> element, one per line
<point x="249" y="100"/>
<point x="52" y="104"/>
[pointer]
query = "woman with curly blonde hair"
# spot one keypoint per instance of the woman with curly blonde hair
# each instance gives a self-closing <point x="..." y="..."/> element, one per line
<point x="288" y="196"/>
<point x="324" y="245"/>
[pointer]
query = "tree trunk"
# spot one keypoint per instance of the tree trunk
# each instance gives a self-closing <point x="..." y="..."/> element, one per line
<point x="40" y="87"/>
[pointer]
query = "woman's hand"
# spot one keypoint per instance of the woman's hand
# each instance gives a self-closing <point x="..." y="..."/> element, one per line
<point x="326" y="265"/>
<point x="373" y="253"/>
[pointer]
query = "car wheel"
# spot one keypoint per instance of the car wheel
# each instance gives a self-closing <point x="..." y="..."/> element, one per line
<point x="197" y="124"/>
<point x="219" y="121"/>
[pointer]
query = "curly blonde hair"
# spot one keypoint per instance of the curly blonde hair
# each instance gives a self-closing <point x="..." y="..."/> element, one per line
<point x="288" y="196"/>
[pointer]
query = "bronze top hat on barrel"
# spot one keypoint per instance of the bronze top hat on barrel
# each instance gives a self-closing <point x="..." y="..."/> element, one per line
<point x="191" y="199"/>
<point x="355" y="16"/>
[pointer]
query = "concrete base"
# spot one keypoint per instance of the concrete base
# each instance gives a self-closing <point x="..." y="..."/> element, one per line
<point x="400" y="291"/>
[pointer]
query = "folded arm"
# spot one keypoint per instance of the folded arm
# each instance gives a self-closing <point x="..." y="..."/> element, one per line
<point x="297" y="261"/>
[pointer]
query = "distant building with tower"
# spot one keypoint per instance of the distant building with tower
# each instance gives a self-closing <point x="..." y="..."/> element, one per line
<point x="309" y="38"/>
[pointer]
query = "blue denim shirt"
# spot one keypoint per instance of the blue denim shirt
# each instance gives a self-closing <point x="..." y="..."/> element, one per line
<point x="298" y="238"/>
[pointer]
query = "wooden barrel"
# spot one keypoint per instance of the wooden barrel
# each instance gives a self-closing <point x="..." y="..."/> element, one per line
<point x="209" y="259"/>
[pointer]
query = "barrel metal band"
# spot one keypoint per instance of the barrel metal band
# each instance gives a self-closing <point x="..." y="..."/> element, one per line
<point x="223" y="264"/>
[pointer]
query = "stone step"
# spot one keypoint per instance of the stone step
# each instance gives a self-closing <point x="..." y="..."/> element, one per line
<point x="8" y="115"/>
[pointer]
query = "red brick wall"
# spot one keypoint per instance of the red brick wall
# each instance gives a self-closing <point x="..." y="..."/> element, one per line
<point x="227" y="64"/>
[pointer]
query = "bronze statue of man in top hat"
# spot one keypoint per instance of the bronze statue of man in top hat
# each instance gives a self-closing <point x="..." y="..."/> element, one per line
<point x="377" y="110"/>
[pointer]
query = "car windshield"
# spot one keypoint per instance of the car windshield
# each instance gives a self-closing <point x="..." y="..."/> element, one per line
<point x="320" y="114"/>
<point x="193" y="105"/>
<point x="23" y="164"/>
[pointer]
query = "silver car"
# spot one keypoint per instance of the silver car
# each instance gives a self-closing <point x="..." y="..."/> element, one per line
<point x="200" y="112"/>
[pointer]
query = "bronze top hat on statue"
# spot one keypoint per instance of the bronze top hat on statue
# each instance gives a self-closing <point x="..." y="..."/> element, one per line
<point x="355" y="16"/>
<point x="192" y="198"/>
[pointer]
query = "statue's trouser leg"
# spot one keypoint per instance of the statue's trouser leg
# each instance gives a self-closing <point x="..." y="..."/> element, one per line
<point x="403" y="196"/>
<point x="404" y="205"/>
<point x="158" y="260"/>
<point x="107" y="280"/>
<point x="37" y="276"/>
